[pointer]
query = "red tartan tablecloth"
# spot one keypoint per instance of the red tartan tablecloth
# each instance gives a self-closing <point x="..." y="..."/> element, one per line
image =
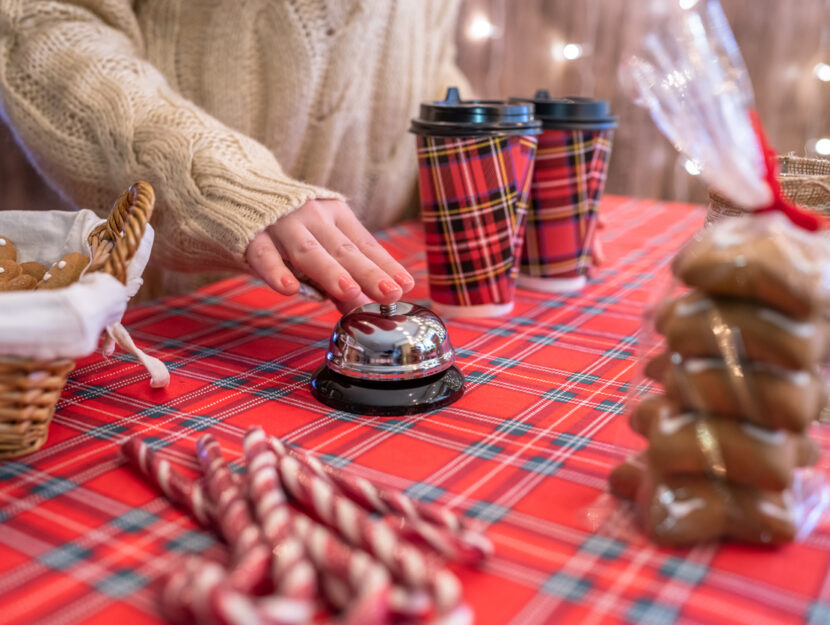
<point x="526" y="451"/>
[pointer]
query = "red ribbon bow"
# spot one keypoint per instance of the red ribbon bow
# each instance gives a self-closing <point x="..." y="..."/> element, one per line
<point x="796" y="215"/>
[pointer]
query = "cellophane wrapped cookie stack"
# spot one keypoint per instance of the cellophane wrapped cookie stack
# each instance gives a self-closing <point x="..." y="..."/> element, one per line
<point x="743" y="332"/>
<point x="728" y="438"/>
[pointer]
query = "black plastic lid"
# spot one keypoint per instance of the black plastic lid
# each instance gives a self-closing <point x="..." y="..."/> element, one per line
<point x="454" y="117"/>
<point x="570" y="113"/>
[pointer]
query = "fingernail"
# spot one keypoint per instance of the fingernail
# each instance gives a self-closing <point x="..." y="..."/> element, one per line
<point x="346" y="284"/>
<point x="288" y="282"/>
<point x="386" y="287"/>
<point x="403" y="278"/>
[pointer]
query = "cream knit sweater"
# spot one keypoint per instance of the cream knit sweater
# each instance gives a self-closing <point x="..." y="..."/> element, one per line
<point x="237" y="111"/>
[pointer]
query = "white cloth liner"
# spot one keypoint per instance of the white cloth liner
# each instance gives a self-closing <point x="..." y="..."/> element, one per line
<point x="68" y="322"/>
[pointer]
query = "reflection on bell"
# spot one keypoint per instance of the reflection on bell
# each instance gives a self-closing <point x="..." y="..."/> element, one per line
<point x="387" y="361"/>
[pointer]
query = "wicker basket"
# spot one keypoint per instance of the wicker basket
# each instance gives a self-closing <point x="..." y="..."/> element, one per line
<point x="804" y="181"/>
<point x="30" y="389"/>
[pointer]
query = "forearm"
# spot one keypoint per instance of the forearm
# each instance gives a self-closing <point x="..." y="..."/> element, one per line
<point x="94" y="117"/>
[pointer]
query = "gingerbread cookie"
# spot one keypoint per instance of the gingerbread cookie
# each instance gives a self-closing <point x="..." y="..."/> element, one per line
<point x="7" y="249"/>
<point x="697" y="326"/>
<point x="22" y="282"/>
<point x="656" y="366"/>
<point x="36" y="270"/>
<point x="12" y="277"/>
<point x="763" y="394"/>
<point x="769" y="260"/>
<point x="682" y="443"/>
<point x="625" y="479"/>
<point x="9" y="270"/>
<point x="64" y="272"/>
<point x="680" y="510"/>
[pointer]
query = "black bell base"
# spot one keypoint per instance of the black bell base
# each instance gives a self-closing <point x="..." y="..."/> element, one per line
<point x="387" y="399"/>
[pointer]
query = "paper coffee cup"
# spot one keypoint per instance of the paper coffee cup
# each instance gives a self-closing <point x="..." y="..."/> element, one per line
<point x="475" y="163"/>
<point x="568" y="180"/>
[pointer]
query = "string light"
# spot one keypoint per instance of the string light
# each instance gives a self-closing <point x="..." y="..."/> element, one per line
<point x="822" y="72"/>
<point x="693" y="167"/>
<point x="567" y="51"/>
<point x="572" y="51"/>
<point x="481" y="28"/>
<point x="823" y="146"/>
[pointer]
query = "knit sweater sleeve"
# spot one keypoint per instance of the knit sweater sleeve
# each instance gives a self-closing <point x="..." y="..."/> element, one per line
<point x="94" y="116"/>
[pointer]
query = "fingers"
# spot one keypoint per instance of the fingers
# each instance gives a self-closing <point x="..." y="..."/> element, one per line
<point x="266" y="263"/>
<point x="307" y="255"/>
<point x="374" y="251"/>
<point x="325" y="241"/>
<point x="374" y="281"/>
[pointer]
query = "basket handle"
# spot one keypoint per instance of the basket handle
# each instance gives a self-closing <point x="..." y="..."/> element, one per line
<point x="116" y="240"/>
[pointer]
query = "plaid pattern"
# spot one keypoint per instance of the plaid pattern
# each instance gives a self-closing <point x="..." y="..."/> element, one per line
<point x="568" y="180"/>
<point x="474" y="194"/>
<point x="527" y="451"/>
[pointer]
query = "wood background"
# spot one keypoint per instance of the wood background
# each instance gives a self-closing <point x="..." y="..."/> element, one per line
<point x="781" y="40"/>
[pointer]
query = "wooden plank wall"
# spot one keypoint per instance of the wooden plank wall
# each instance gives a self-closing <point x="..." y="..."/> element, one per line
<point x="782" y="40"/>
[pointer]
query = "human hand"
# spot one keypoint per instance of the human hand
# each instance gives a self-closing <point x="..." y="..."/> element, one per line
<point x="325" y="241"/>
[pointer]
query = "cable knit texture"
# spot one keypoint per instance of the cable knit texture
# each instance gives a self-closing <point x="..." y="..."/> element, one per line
<point x="237" y="111"/>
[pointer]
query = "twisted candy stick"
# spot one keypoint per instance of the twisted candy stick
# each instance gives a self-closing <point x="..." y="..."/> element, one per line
<point x="178" y="588"/>
<point x="252" y="554"/>
<point x="406" y="563"/>
<point x="335" y="591"/>
<point x="292" y="571"/>
<point x="361" y="573"/>
<point x="202" y="592"/>
<point x="378" y="498"/>
<point x="338" y="563"/>
<point x="205" y="593"/>
<point x="186" y="494"/>
<point x="178" y="595"/>
<point x="404" y="605"/>
<point x="456" y="541"/>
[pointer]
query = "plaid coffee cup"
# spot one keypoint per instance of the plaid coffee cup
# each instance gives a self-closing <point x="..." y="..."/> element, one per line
<point x="568" y="181"/>
<point x="475" y="169"/>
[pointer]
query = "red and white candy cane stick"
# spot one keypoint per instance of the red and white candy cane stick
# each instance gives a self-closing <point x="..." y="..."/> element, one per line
<point x="202" y="592"/>
<point x="468" y="547"/>
<point x="176" y="596"/>
<point x="407" y="564"/>
<point x="185" y="493"/>
<point x="404" y="603"/>
<point x="454" y="539"/>
<point x="338" y="564"/>
<point x="252" y="554"/>
<point x="364" y="577"/>
<point x="335" y="591"/>
<point x="293" y="572"/>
